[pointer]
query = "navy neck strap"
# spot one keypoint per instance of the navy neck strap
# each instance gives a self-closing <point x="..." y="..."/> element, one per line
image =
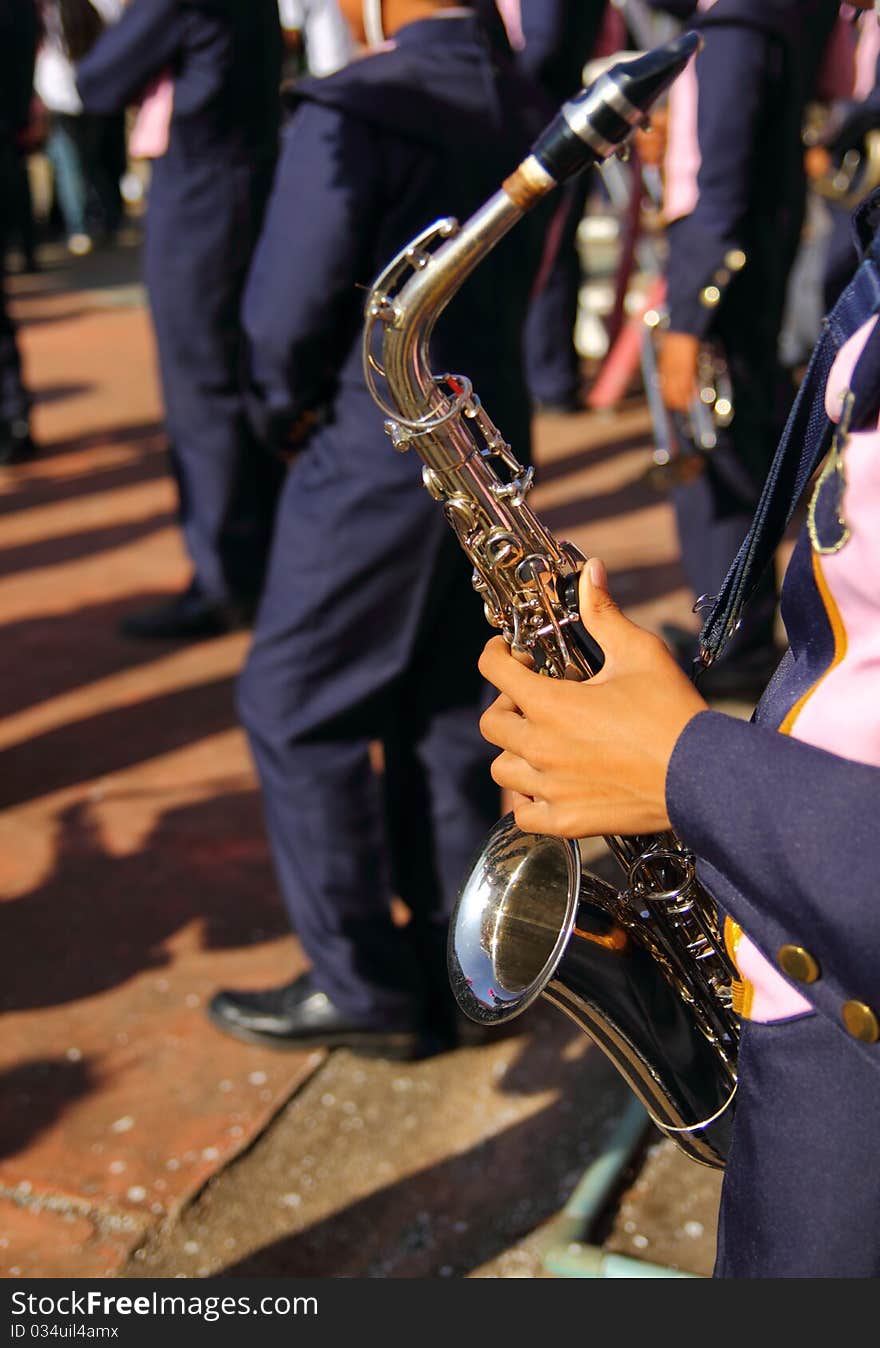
<point x="804" y="443"/>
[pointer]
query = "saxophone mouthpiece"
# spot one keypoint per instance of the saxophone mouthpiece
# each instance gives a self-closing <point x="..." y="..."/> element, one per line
<point x="595" y="124"/>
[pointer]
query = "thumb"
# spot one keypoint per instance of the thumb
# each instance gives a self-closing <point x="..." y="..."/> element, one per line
<point x="600" y="615"/>
<point x="594" y="598"/>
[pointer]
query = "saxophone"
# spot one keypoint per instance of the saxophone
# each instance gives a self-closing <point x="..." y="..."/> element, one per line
<point x="640" y="966"/>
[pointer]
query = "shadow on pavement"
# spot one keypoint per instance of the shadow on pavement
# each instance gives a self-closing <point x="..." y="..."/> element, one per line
<point x="149" y="466"/>
<point x="34" y="1095"/>
<point x="607" y="505"/>
<point x="99" y="919"/>
<point x="452" y="1217"/>
<point x="73" y="547"/>
<point x="50" y="655"/>
<point x="590" y="456"/>
<point x="107" y="435"/>
<point x="107" y="267"/>
<point x="639" y="584"/>
<point x="114" y="739"/>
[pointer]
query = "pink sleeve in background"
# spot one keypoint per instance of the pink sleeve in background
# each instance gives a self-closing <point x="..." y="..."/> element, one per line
<point x="511" y="15"/>
<point x="149" y="135"/>
<point x="867" y="52"/>
<point x="683" y="159"/>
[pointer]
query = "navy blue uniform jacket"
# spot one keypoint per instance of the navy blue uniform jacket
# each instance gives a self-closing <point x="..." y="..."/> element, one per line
<point x="364" y="167"/>
<point x="755" y="72"/>
<point x="220" y="104"/>
<point x="560" y="36"/>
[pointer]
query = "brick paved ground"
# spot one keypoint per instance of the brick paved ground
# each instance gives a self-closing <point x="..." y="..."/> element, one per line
<point x="136" y="880"/>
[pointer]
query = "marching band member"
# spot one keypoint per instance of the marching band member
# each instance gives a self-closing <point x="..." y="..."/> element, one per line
<point x="18" y="42"/>
<point x="212" y="71"/>
<point x="368" y="629"/>
<point x="558" y="38"/>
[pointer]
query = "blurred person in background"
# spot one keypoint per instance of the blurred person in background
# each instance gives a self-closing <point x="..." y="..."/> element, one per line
<point x="735" y="184"/>
<point x="317" y="38"/>
<point x="18" y="39"/>
<point x="369" y="628"/>
<point x="21" y="224"/>
<point x="845" y="162"/>
<point x="211" y="71"/>
<point x="555" y="41"/>
<point x="70" y="29"/>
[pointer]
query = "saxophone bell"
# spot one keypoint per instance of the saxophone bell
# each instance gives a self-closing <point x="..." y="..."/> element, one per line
<point x="533" y="920"/>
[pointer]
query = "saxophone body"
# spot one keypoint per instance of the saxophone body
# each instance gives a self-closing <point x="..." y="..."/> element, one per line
<point x="638" y="965"/>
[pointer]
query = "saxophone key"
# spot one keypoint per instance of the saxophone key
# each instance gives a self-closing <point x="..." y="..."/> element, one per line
<point x="433" y="484"/>
<point x="502" y="549"/>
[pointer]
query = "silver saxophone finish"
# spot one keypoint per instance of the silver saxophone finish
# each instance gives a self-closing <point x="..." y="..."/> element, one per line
<point x="640" y="967"/>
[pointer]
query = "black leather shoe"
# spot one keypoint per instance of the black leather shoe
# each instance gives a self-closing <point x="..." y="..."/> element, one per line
<point x="189" y="616"/>
<point x="298" y="1015"/>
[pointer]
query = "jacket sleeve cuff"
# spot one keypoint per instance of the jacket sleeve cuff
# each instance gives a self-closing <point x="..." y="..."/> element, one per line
<point x="692" y="777"/>
<point x="786" y="839"/>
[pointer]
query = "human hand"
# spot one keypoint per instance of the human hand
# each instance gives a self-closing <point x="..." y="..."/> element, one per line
<point x="677" y="369"/>
<point x="817" y="163"/>
<point x="584" y="759"/>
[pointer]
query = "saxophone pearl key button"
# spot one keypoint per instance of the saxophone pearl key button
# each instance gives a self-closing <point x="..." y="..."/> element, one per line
<point x="798" y="963"/>
<point x="861" y="1022"/>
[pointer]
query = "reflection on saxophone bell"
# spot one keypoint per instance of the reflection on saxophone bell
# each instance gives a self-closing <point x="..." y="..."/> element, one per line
<point x="640" y="967"/>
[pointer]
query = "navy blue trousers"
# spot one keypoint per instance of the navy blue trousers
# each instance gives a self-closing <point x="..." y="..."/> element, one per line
<point x="14" y="401"/>
<point x="201" y="228"/>
<point x="368" y="630"/>
<point x="801" y="1190"/>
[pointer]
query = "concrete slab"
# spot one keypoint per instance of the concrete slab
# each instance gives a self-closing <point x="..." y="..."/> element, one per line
<point x="385" y="1170"/>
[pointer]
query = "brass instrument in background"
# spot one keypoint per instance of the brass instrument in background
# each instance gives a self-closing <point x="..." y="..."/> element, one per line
<point x="680" y="442"/>
<point x="640" y="966"/>
<point x="856" y="175"/>
<point x="848" y="179"/>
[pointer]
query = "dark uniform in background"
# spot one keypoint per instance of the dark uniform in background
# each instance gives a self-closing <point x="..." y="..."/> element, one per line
<point x="369" y="628"/>
<point x="560" y="36"/>
<point x="18" y="41"/>
<point x="754" y="74"/>
<point x="206" y="200"/>
<point x="841" y="258"/>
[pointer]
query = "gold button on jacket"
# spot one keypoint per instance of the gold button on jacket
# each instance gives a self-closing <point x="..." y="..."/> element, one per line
<point x="798" y="963"/>
<point x="861" y="1022"/>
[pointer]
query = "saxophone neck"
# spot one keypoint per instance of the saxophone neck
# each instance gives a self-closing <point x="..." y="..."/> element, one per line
<point x="409" y="316"/>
